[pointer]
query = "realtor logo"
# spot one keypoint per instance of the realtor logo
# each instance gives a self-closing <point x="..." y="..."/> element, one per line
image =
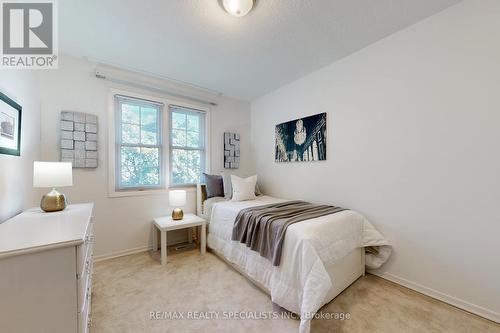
<point x="28" y="34"/>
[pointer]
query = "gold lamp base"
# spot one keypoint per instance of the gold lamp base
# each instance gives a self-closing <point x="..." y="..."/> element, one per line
<point x="177" y="214"/>
<point x="53" y="201"/>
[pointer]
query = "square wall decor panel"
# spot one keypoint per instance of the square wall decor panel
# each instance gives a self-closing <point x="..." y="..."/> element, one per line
<point x="78" y="141"/>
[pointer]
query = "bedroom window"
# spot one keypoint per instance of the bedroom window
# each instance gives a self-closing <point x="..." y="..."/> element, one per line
<point x="187" y="145"/>
<point x="138" y="144"/>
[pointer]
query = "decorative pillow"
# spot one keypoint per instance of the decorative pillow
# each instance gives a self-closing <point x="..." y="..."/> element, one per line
<point x="243" y="188"/>
<point x="257" y="190"/>
<point x="228" y="189"/>
<point x="215" y="186"/>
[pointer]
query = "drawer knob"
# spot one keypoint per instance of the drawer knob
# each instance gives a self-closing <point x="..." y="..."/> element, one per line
<point x="89" y="239"/>
<point x="88" y="266"/>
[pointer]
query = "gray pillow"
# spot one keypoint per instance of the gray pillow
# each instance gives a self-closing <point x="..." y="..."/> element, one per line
<point x="215" y="187"/>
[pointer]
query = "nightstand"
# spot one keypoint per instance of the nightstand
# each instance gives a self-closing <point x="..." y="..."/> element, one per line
<point x="165" y="224"/>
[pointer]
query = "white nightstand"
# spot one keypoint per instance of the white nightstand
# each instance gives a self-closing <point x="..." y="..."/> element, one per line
<point x="165" y="224"/>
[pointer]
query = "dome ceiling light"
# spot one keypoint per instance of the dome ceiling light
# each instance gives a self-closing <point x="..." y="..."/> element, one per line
<point x="238" y="8"/>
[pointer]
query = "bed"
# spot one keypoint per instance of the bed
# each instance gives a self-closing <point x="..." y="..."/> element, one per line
<point x="321" y="256"/>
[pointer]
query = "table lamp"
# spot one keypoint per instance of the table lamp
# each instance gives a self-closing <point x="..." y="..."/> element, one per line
<point x="52" y="175"/>
<point x="177" y="199"/>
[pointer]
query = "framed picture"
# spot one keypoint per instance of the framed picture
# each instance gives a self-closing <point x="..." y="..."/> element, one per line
<point x="10" y="126"/>
<point x="301" y="140"/>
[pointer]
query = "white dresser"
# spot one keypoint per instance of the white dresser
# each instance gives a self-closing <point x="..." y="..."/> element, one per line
<point x="46" y="271"/>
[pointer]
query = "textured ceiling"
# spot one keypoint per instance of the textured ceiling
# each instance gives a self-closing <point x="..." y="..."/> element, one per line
<point x="195" y="41"/>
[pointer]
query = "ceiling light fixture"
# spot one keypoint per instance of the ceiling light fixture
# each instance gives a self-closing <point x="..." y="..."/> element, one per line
<point x="238" y="7"/>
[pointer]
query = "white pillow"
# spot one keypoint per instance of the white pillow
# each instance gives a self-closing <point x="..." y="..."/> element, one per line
<point x="226" y="182"/>
<point x="228" y="190"/>
<point x="243" y="188"/>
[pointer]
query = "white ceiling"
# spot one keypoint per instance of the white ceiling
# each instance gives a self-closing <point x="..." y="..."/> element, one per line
<point x="195" y="41"/>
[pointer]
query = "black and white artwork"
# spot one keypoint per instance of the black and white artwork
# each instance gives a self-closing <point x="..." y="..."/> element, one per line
<point x="231" y="150"/>
<point x="79" y="139"/>
<point x="10" y="126"/>
<point x="7" y="125"/>
<point x="302" y="139"/>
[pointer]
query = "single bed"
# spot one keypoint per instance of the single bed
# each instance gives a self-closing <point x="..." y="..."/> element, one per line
<point x="321" y="256"/>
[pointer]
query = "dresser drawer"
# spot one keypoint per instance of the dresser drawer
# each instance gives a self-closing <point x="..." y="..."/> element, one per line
<point x="85" y="250"/>
<point x="84" y="318"/>
<point x="84" y="268"/>
<point x="85" y="285"/>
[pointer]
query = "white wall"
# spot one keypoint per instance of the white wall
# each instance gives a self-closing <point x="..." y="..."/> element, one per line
<point x="414" y="144"/>
<point x="16" y="175"/>
<point x="122" y="224"/>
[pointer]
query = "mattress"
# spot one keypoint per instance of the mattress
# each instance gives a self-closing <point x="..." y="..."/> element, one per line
<point x="209" y="203"/>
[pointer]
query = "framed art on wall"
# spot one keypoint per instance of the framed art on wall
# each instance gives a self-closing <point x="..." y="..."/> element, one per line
<point x="10" y="126"/>
<point x="301" y="139"/>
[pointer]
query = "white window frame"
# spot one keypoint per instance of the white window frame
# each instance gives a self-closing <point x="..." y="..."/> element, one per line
<point x="165" y="123"/>
<point x="203" y="143"/>
<point x="119" y="99"/>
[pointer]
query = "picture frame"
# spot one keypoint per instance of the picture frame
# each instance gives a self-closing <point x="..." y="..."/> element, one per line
<point x="10" y="126"/>
<point x="301" y="140"/>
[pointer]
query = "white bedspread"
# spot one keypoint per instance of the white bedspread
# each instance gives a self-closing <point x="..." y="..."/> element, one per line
<point x="301" y="281"/>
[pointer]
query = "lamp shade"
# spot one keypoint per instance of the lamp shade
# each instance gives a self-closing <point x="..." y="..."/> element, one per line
<point x="177" y="198"/>
<point x="52" y="174"/>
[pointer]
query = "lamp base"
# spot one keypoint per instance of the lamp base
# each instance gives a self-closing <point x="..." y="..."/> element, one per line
<point x="177" y="214"/>
<point x="53" y="201"/>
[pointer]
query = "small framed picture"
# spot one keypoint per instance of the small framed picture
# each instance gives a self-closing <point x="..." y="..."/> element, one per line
<point x="10" y="126"/>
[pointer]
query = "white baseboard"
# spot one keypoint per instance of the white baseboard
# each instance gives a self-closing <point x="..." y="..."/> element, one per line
<point x="122" y="253"/>
<point x="134" y="250"/>
<point x="461" y="304"/>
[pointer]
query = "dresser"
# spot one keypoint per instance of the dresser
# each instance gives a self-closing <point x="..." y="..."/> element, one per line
<point x="46" y="271"/>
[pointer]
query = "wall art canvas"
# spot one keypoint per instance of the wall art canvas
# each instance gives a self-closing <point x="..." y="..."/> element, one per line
<point x="79" y="139"/>
<point x="10" y="126"/>
<point x="301" y="139"/>
<point x="231" y="150"/>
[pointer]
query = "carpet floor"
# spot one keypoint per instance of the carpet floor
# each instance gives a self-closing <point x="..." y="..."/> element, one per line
<point x="195" y="293"/>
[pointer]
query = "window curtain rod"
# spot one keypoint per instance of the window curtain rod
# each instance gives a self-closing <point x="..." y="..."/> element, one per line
<point x="162" y="86"/>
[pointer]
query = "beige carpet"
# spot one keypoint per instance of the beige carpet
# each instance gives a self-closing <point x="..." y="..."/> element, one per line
<point x="128" y="289"/>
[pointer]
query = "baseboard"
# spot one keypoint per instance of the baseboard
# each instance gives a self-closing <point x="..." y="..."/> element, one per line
<point x="461" y="304"/>
<point x="128" y="252"/>
<point x="122" y="253"/>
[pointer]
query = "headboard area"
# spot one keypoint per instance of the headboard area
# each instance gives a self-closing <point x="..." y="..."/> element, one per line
<point x="201" y="196"/>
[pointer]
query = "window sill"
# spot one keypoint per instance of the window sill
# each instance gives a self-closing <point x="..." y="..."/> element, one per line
<point x="137" y="193"/>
